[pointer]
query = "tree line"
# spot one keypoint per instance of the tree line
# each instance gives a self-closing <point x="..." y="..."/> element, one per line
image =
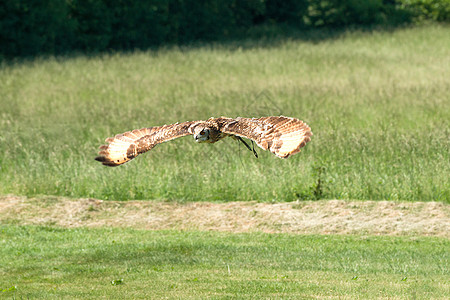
<point x="35" y="27"/>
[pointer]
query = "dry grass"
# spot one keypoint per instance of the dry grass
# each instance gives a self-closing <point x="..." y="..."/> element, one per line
<point x="309" y="217"/>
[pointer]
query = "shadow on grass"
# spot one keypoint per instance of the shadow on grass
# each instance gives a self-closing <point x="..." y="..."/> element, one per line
<point x="263" y="36"/>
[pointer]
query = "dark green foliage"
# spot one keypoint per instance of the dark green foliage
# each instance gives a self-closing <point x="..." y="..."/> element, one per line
<point x="31" y="27"/>
<point x="138" y="24"/>
<point x="119" y="24"/>
<point x="436" y="10"/>
<point x="291" y="12"/>
<point x="345" y="12"/>
<point x="191" y="20"/>
<point x="195" y="20"/>
<point x="93" y="31"/>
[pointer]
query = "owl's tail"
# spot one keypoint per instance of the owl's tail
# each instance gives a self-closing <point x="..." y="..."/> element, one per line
<point x="122" y="147"/>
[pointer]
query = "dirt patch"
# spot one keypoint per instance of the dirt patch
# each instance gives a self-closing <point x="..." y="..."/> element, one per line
<point x="310" y="217"/>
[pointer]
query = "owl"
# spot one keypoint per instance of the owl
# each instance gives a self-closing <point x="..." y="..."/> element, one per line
<point x="283" y="136"/>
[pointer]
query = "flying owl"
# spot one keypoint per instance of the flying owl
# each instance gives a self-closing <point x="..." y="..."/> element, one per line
<point x="283" y="136"/>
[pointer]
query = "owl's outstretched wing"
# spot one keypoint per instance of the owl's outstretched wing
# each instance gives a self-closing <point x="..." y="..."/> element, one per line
<point x="283" y="136"/>
<point x="126" y="146"/>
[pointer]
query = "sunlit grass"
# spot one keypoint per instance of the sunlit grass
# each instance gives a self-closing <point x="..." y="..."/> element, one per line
<point x="47" y="262"/>
<point x="378" y="104"/>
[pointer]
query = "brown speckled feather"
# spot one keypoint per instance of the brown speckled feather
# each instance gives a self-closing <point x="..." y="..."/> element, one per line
<point x="283" y="136"/>
<point x="126" y="146"/>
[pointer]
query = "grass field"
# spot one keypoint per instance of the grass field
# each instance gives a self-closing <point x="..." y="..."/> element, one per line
<point x="378" y="104"/>
<point x="48" y="262"/>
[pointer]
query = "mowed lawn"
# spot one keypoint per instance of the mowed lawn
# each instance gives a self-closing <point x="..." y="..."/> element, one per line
<point x="377" y="102"/>
<point x="48" y="262"/>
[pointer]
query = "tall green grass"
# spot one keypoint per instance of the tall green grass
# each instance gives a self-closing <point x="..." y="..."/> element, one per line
<point x="378" y="104"/>
<point x="47" y="262"/>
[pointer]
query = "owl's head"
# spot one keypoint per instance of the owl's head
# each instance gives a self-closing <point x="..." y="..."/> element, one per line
<point x="201" y="134"/>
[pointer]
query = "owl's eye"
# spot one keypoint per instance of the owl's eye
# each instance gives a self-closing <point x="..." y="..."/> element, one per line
<point x="202" y="133"/>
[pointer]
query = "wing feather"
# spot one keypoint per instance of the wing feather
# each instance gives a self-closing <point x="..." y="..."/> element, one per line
<point x="283" y="136"/>
<point x="125" y="146"/>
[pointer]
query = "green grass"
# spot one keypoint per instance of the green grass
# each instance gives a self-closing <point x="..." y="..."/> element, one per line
<point x="47" y="262"/>
<point x="378" y="104"/>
